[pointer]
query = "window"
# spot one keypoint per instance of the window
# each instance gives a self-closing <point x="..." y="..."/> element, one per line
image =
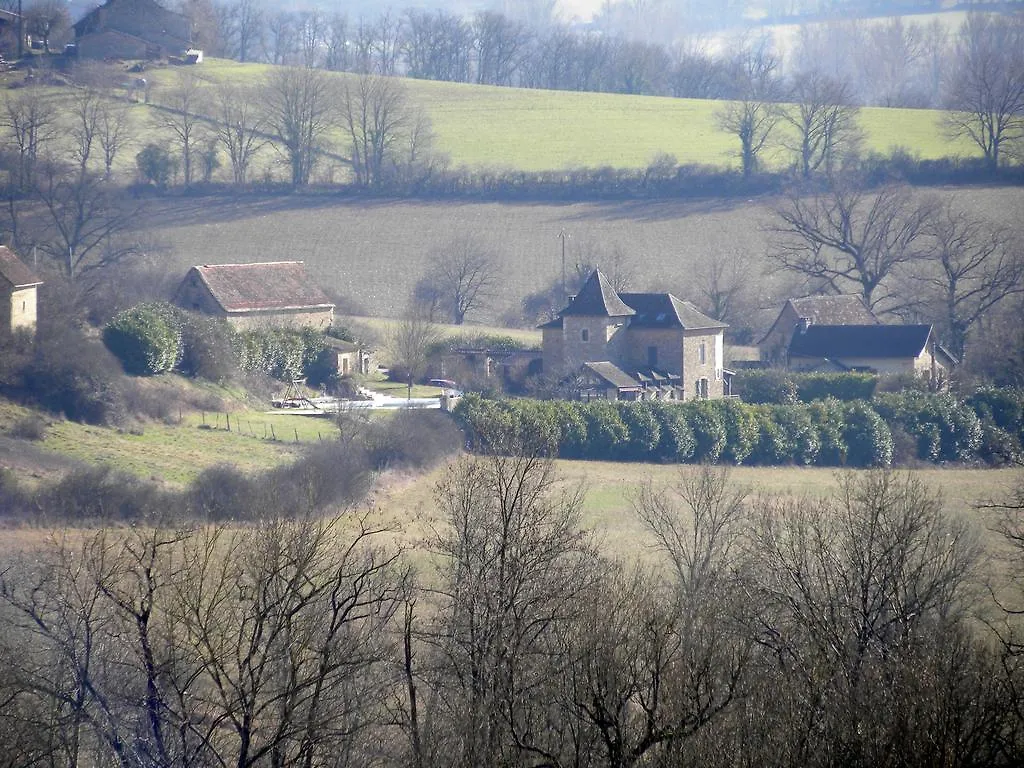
<point x="23" y="306"/>
<point x="702" y="353"/>
<point x="585" y="335"/>
<point x="652" y="357"/>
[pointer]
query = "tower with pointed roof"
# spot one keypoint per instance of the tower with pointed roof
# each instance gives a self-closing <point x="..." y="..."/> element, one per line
<point x="636" y="345"/>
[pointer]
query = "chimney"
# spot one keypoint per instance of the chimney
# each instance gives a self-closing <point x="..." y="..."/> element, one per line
<point x="802" y="324"/>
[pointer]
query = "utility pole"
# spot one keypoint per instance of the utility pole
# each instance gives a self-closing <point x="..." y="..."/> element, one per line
<point x="563" y="235"/>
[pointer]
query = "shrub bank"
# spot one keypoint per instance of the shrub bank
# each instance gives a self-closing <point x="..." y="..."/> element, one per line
<point x="157" y="337"/>
<point x="824" y="433"/>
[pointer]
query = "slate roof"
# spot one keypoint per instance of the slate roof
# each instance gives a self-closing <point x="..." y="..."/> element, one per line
<point x="612" y="374"/>
<point x="597" y="297"/>
<point x="276" y="285"/>
<point x="845" y="341"/>
<point x="648" y="310"/>
<point x="14" y="271"/>
<point x="663" y="310"/>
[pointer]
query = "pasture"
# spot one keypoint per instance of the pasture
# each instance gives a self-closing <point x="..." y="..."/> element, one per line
<point x="608" y="487"/>
<point x="488" y="127"/>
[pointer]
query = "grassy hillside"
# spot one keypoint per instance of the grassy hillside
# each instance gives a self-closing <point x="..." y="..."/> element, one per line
<point x="486" y="126"/>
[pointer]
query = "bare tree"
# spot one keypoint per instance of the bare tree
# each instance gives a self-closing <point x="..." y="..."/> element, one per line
<point x="31" y="121"/>
<point x="282" y="37"/>
<point x="825" y="122"/>
<point x="985" y="95"/>
<point x="377" y="118"/>
<point x="241" y="25"/>
<point x="975" y="267"/>
<point x="849" y="237"/>
<point x="500" y="43"/>
<point x="85" y="221"/>
<point x="240" y="128"/>
<point x="87" y="111"/>
<point x="753" y="114"/>
<point x="409" y="344"/>
<point x="113" y="132"/>
<point x="312" y="27"/>
<point x="846" y="594"/>
<point x="462" y="274"/>
<point x="46" y="19"/>
<point x="336" y="49"/>
<point x="182" y="116"/>
<point x="514" y="563"/>
<point x="300" y="106"/>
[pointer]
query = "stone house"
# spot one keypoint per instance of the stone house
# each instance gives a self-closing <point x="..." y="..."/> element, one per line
<point x="636" y="345"/>
<point x="277" y="293"/>
<point x="811" y="310"/>
<point x="18" y="294"/>
<point x="348" y="358"/>
<point x="881" y="349"/>
<point x="132" y="29"/>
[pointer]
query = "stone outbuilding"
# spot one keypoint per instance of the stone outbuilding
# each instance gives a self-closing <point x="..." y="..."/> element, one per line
<point x="846" y="309"/>
<point x="132" y="29"/>
<point x="636" y="345"/>
<point x="881" y="349"/>
<point x="277" y="293"/>
<point x="18" y="294"/>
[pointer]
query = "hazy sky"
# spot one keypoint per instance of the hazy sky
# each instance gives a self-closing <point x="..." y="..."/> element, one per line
<point x="582" y="8"/>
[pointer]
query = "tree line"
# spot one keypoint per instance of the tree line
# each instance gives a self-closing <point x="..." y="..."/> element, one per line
<point x="760" y="630"/>
<point x="894" y="63"/>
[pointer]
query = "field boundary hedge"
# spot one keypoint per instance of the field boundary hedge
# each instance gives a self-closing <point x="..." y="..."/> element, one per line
<point x="895" y="428"/>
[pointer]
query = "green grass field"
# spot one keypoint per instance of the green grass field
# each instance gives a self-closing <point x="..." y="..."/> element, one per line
<point x="532" y="130"/>
<point x="608" y="486"/>
<point x="486" y="127"/>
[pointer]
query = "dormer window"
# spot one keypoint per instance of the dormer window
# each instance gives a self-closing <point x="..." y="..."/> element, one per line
<point x="585" y="335"/>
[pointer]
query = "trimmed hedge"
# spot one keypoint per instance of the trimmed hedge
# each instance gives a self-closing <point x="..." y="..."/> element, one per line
<point x="155" y="338"/>
<point x="824" y="433"/>
<point x="775" y="387"/>
<point x="146" y="338"/>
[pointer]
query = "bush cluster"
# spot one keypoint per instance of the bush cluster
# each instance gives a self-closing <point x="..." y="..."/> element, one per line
<point x="825" y="432"/>
<point x="64" y="371"/>
<point x="328" y="475"/>
<point x="157" y="337"/>
<point x="777" y="387"/>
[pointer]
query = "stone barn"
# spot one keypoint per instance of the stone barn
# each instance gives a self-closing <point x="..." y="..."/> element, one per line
<point x="277" y="293"/>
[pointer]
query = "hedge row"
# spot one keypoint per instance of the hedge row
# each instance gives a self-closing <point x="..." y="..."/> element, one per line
<point x="822" y="433"/>
<point x="157" y="337"/>
<point x="779" y="387"/>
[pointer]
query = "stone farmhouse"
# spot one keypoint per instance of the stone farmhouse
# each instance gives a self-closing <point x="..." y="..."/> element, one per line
<point x="811" y="310"/>
<point x="840" y="333"/>
<point x="18" y="294"/>
<point x="278" y="293"/>
<point x="132" y="29"/>
<point x="882" y="349"/>
<point x="635" y="346"/>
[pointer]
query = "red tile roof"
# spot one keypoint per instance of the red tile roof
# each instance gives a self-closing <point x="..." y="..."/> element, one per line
<point x="264" y="286"/>
<point x="14" y="271"/>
